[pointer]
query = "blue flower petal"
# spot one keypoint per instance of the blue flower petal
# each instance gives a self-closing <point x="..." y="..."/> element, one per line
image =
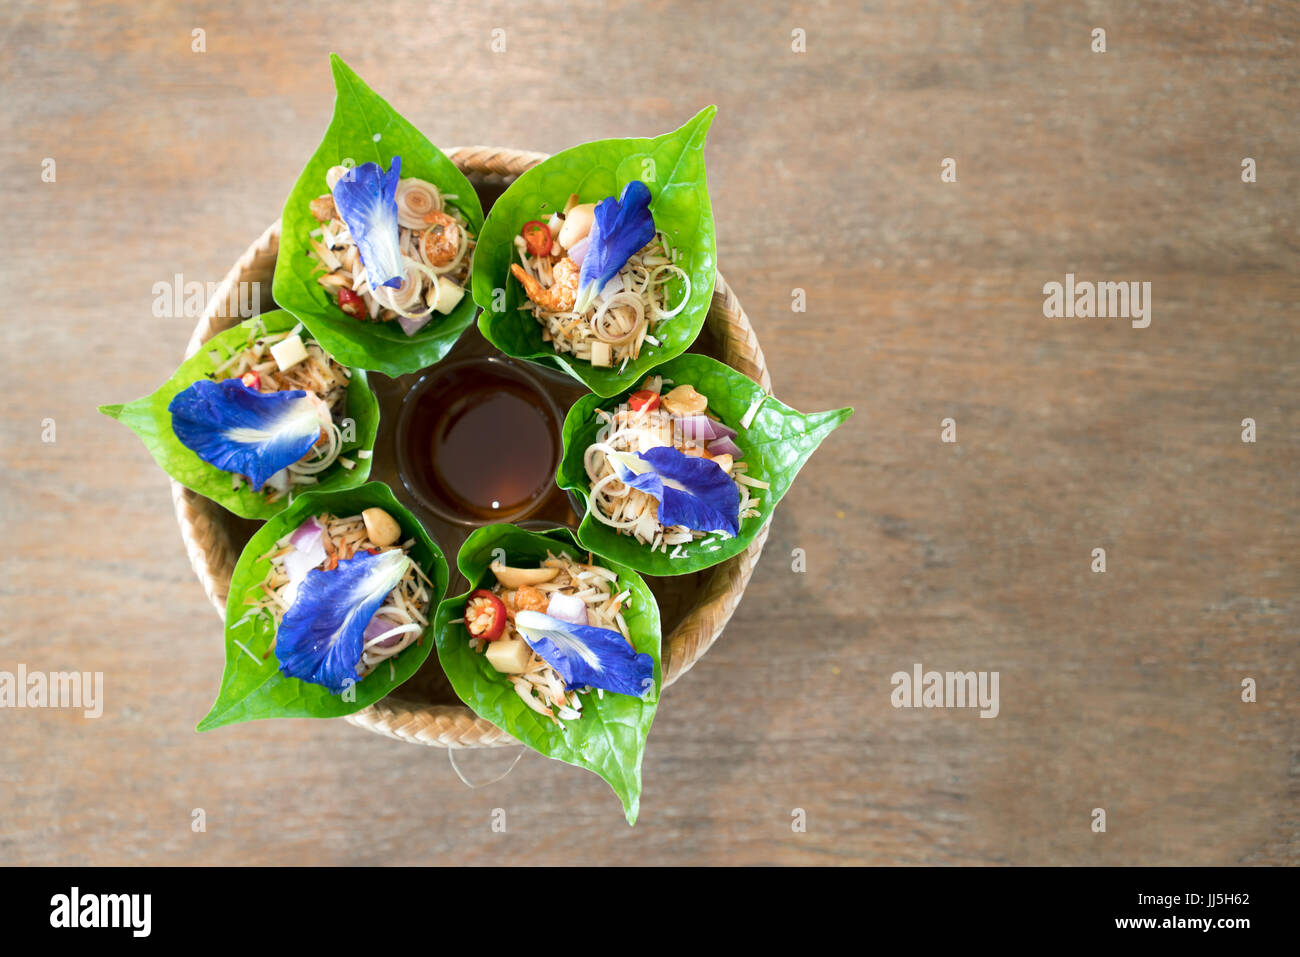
<point x="244" y="431"/>
<point x="320" y="638"/>
<point x="366" y="198"/>
<point x="691" y="491"/>
<point x="585" y="655"/>
<point x="619" y="229"/>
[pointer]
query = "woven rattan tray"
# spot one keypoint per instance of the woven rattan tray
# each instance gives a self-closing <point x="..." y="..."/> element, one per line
<point x="425" y="710"/>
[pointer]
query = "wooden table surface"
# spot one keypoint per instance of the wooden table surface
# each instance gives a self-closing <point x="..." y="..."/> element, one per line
<point x="1119" y="690"/>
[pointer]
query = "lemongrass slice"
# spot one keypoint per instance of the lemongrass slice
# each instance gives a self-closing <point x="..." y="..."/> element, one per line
<point x="415" y="200"/>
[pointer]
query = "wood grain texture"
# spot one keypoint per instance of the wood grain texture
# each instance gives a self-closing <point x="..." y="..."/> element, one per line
<point x="924" y="301"/>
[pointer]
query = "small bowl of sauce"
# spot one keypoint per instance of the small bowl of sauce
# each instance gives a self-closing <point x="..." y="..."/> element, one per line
<point x="478" y="441"/>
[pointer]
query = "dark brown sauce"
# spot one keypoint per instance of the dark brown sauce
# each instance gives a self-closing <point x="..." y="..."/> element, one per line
<point x="481" y="441"/>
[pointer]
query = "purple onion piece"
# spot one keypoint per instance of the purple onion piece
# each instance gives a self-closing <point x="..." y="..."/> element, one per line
<point x="308" y="552"/>
<point x="579" y="250"/>
<point x="698" y="428"/>
<point x="412" y="326"/>
<point x="303" y="535"/>
<point x="724" y="446"/>
<point x="376" y="628"/>
<point x="569" y="608"/>
<point x="723" y="430"/>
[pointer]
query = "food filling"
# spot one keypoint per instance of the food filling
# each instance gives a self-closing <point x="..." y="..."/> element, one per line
<point x="600" y="278"/>
<point x="423" y="240"/>
<point x="269" y="413"/>
<point x="345" y="597"/>
<point x="666" y="471"/>
<point x="544" y="627"/>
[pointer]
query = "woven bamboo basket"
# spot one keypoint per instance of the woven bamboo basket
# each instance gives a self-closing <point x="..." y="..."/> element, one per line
<point x="212" y="536"/>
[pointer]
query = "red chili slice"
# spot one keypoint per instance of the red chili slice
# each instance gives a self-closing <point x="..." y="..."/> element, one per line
<point x="643" y="401"/>
<point x="351" y="303"/>
<point x="485" y="615"/>
<point x="251" y="379"/>
<point x="537" y="237"/>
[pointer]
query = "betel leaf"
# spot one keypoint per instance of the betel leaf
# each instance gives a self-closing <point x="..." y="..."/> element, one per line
<point x="366" y="129"/>
<point x="610" y="737"/>
<point x="253" y="686"/>
<point x="672" y="166"/>
<point x="150" y="419"/>
<point x="776" y="446"/>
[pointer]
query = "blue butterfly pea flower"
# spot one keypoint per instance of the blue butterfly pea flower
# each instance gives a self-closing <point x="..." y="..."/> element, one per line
<point x="321" y="637"/>
<point x="585" y="655"/>
<point x="619" y="228"/>
<point x="241" y="430"/>
<point x="366" y="198"/>
<point x="694" y="492"/>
